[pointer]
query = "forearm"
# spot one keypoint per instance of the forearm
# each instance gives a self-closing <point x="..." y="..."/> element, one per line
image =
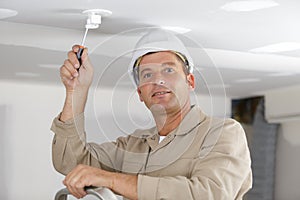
<point x="74" y="104"/>
<point x="124" y="184"/>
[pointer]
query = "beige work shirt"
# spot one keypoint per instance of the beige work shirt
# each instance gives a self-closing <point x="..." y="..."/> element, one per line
<point x="203" y="158"/>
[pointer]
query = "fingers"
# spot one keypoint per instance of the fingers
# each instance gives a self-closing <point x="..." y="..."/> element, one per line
<point x="65" y="75"/>
<point x="68" y="70"/>
<point x="84" y="56"/>
<point x="72" y="57"/>
<point x="75" y="182"/>
<point x="72" y="75"/>
<point x="83" y="175"/>
<point x="76" y="189"/>
<point x="67" y="78"/>
<point x="75" y="48"/>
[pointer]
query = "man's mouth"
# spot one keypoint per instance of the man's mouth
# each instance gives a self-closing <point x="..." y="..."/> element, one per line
<point x="160" y="93"/>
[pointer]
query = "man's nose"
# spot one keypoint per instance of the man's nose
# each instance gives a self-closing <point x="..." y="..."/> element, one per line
<point x="161" y="82"/>
<point x="159" y="79"/>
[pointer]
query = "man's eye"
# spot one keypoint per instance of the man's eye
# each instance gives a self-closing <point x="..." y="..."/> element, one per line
<point x="169" y="69"/>
<point x="148" y="75"/>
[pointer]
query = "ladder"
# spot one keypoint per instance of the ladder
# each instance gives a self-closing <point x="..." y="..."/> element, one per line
<point x="101" y="193"/>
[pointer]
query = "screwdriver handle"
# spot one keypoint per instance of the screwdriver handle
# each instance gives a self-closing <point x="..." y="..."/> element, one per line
<point x="79" y="54"/>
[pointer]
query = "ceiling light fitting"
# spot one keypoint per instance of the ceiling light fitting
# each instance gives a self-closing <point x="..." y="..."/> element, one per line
<point x="277" y="48"/>
<point x="177" y="29"/>
<point x="246" y="6"/>
<point x="6" y="13"/>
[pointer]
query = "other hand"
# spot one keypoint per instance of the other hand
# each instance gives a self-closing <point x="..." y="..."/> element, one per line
<point x="83" y="175"/>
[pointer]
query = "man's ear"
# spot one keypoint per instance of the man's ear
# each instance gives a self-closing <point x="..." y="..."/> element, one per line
<point x="140" y="94"/>
<point x="191" y="81"/>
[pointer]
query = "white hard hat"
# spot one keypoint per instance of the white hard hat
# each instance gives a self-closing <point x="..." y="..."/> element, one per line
<point x="159" y="40"/>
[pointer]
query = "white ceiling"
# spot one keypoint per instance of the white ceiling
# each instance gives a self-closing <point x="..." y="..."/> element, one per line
<point x="34" y="43"/>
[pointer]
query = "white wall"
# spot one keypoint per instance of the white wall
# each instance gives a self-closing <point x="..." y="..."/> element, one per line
<point x="26" y="116"/>
<point x="26" y="113"/>
<point x="283" y="107"/>
<point x="287" y="162"/>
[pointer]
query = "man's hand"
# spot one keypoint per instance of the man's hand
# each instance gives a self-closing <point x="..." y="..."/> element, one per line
<point x="73" y="78"/>
<point x="83" y="175"/>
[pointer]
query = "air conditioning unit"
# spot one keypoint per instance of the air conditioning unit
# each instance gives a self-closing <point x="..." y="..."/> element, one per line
<point x="282" y="105"/>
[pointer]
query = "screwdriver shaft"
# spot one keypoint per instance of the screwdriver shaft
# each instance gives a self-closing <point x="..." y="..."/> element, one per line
<point x="84" y="37"/>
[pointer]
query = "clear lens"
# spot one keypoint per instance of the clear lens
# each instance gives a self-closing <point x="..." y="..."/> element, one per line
<point x="157" y="73"/>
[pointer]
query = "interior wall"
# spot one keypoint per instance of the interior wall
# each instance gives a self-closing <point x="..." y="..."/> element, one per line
<point x="26" y="114"/>
<point x="282" y="107"/>
<point x="4" y="143"/>
<point x="288" y="162"/>
<point x="27" y="140"/>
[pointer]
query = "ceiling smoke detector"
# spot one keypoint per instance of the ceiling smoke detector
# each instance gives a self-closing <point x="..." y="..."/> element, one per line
<point x="95" y="16"/>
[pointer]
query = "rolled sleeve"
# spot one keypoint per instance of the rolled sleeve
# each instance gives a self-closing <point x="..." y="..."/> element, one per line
<point x="69" y="144"/>
<point x="70" y="148"/>
<point x="70" y="128"/>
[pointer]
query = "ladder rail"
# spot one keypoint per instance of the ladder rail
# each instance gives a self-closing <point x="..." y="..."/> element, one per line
<point x="101" y="193"/>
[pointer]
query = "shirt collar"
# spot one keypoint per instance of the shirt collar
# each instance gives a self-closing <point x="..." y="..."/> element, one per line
<point x="193" y="118"/>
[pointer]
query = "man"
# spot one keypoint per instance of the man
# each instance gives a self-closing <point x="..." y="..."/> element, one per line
<point x="188" y="155"/>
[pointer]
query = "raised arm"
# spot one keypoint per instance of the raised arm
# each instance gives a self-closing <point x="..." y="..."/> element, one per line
<point x="77" y="80"/>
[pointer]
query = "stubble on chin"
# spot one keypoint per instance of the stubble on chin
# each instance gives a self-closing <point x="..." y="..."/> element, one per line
<point x="159" y="112"/>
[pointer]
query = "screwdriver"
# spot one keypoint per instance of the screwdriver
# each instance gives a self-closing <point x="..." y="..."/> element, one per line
<point x="93" y="22"/>
<point x="81" y="48"/>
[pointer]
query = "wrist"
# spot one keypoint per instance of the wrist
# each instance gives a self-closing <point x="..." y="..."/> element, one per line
<point x="112" y="182"/>
<point x="77" y="97"/>
<point x="77" y="90"/>
<point x="74" y="103"/>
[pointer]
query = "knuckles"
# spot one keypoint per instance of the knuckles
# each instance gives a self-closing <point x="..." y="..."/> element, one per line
<point x="66" y="62"/>
<point x="71" y="54"/>
<point x="61" y="69"/>
<point x="80" y="166"/>
<point x="78" y="185"/>
<point x="75" y="47"/>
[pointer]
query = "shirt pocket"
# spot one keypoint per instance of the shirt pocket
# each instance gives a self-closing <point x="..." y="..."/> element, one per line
<point x="180" y="167"/>
<point x="134" y="163"/>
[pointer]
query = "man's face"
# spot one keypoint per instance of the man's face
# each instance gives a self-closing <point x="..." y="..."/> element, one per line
<point x="163" y="83"/>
